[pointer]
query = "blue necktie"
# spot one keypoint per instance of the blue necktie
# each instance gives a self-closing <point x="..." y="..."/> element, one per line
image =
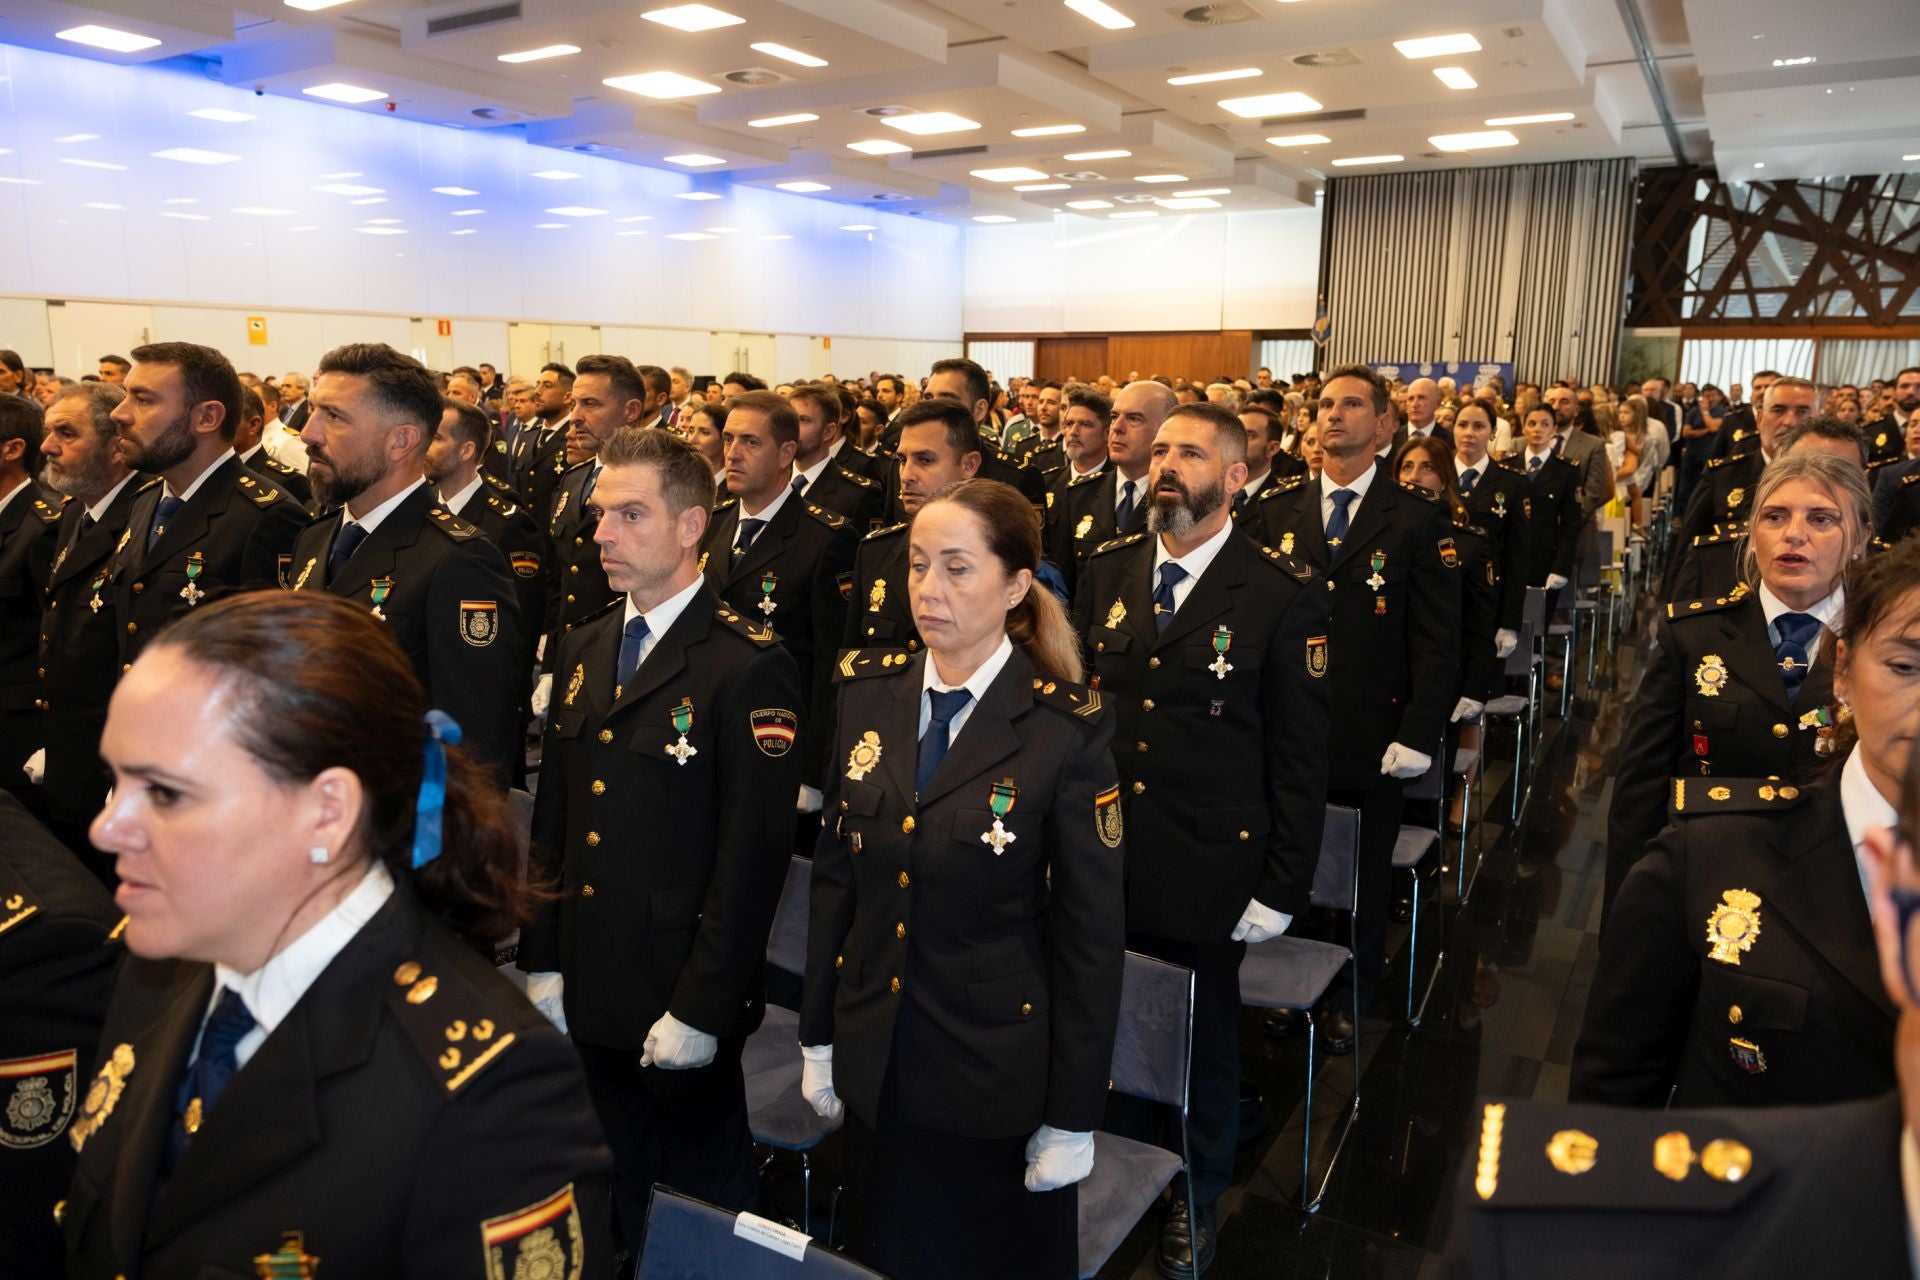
<point x="1124" y="512"/>
<point x="1533" y="466"/>
<point x="1796" y="632"/>
<point x="1171" y="575"/>
<point x="1467" y="480"/>
<point x="345" y="543"/>
<point x="749" y="530"/>
<point x="799" y="483"/>
<point x="631" y="639"/>
<point x="934" y="742"/>
<point x="586" y="494"/>
<point x="211" y="1070"/>
<point x="161" y="514"/>
<point x="1337" y="527"/>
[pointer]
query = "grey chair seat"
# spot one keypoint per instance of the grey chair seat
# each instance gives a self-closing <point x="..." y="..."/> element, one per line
<point x="1510" y="704"/>
<point x="1464" y="758"/>
<point x="1127" y="1178"/>
<point x="1288" y="973"/>
<point x="1412" y="844"/>
<point x="775" y="1045"/>
<point x="780" y="1116"/>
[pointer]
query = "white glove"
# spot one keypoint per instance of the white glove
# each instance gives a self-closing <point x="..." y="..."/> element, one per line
<point x="1556" y="581"/>
<point x="36" y="766"/>
<point x="1466" y="709"/>
<point x="542" y="694"/>
<point x="816" y="1081"/>
<point x="672" y="1045"/>
<point x="546" y="990"/>
<point x="1260" y="922"/>
<point x="1404" y="762"/>
<point x="1057" y="1158"/>
<point x="1505" y="641"/>
<point x="810" y="799"/>
<point x="540" y="650"/>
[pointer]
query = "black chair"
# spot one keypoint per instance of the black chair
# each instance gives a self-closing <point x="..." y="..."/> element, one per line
<point x="688" y="1239"/>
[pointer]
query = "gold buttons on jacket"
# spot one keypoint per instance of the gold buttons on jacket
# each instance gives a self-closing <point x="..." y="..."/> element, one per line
<point x="1243" y="835"/>
<point x="586" y="891"/>
<point x="132" y="627"/>
<point x="1140" y="746"/>
<point x="1139" y="788"/>
<point x="1026" y="1010"/>
<point x="839" y="961"/>
<point x="606" y="735"/>
<point x="906" y="824"/>
<point x="1779" y="731"/>
<point x="900" y="929"/>
<point x="1146" y="704"/>
<point x="894" y="986"/>
<point x="138" y="587"/>
<point x="569" y="599"/>
<point x="572" y="568"/>
<point x="599" y="788"/>
<point x="593" y="839"/>
<point x="1735" y="1015"/>
<point x="407" y="974"/>
<point x="579" y="542"/>
<point x="1153" y="664"/>
<point x="904" y="880"/>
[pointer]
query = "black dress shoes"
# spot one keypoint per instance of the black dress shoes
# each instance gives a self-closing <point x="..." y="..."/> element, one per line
<point x="1336" y="1031"/>
<point x="1187" y="1242"/>
<point x="1282" y="1024"/>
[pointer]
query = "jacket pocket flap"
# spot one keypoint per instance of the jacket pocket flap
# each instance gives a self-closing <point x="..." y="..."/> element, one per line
<point x="1107" y="640"/>
<point x="1019" y="998"/>
<point x="1764" y="1004"/>
<point x="1245" y="822"/>
<point x="860" y="799"/>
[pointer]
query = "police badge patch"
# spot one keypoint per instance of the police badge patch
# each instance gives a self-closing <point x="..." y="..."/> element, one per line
<point x="39" y="1094"/>
<point x="1317" y="657"/>
<point x="542" y="1240"/>
<point x="1106" y="817"/>
<point x="774" y="729"/>
<point x="526" y="564"/>
<point x="479" y="622"/>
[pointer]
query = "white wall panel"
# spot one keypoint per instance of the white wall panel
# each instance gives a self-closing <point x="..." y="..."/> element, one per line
<point x="23" y="329"/>
<point x="81" y="332"/>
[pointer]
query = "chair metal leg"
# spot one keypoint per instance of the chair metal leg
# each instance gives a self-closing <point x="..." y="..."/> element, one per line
<point x="1307" y="1203"/>
<point x="1413" y="943"/>
<point x="806" y="1193"/>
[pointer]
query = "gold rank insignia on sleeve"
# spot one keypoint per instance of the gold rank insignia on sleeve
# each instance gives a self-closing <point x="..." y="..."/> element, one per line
<point x="1734" y="925"/>
<point x="543" y="1239"/>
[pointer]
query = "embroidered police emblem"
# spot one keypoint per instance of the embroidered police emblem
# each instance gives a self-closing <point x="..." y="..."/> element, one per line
<point x="479" y="622"/>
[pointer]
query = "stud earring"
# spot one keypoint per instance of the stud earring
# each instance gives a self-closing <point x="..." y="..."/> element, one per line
<point x="317" y="854"/>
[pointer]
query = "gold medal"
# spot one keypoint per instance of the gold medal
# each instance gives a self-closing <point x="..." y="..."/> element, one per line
<point x="864" y="757"/>
<point x="1734" y="925"/>
<point x="1711" y="675"/>
<point x="1116" y="615"/>
<point x="1286" y="543"/>
<point x="877" y="596"/>
<point x="1085" y="526"/>
<point x="573" y="685"/>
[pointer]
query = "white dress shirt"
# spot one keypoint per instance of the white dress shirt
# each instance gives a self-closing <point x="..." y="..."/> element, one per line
<point x="976" y="684"/>
<point x="812" y="473"/>
<point x="186" y="495"/>
<point x="766" y="513"/>
<point x="1359" y="486"/>
<point x="1865" y="809"/>
<point x="99" y="509"/>
<point x="1195" y="562"/>
<point x="1140" y="493"/>
<point x="373" y="518"/>
<point x="1826" y="611"/>
<point x="13" y="493"/>
<point x="458" y="501"/>
<point x="661" y="616"/>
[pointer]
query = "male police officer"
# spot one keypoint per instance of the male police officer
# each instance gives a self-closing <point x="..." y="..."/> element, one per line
<point x="1094" y="513"/>
<point x="28" y="513"/>
<point x="608" y="394"/>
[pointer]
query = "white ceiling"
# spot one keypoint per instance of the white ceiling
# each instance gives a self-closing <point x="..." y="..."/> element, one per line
<point x="1008" y="65"/>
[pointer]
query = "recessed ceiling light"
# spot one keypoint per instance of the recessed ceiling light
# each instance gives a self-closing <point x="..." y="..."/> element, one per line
<point x="264" y="211"/>
<point x="636" y="217"/>
<point x="375" y="222"/>
<point x="77" y="137"/>
<point x="1210" y="77"/>
<point x="1097" y="155"/>
<point x="335" y="177"/>
<point x="1545" y="117"/>
<point x="1911" y="158"/>
<point x="774" y="122"/>
<point x="690" y="235"/>
<point x="1357" y="160"/>
<point x="697" y="195"/>
<point x="991" y="217"/>
<point x="1437" y="46"/>
<point x="1299" y="140"/>
<point x="106" y="38"/>
<point x="629" y="233"/>
<point x="694" y="160"/>
<point x="184" y="217"/>
<point x="1089" y="204"/>
<point x="19" y="182"/>
<point x="785" y="54"/>
<point x="1474" y="141"/>
<point x="553" y="175"/>
<point x="859" y="226"/>
<point x="1044" y="186"/>
<point x="194" y="155"/>
<point x="1101" y="12"/>
<point x="549" y="226"/>
<point x="1455" y="78"/>
<point x="78" y="163"/>
<point x="353" y="94"/>
<point x="381" y="231"/>
<point x="465" y="231"/>
<point x="1161" y="177"/>
<point x="100" y="204"/>
<point x="724" y="231"/>
<point x="692" y="17"/>
<point x="1270" y="104"/>
<point x="540" y="54"/>
<point x="221" y="114"/>
<point x="878" y="147"/>
<point x="779" y="236"/>
<point x="1010" y="173"/>
<point x="455" y="191"/>
<point x="803" y="188"/>
<point x="312" y="5"/>
<point x="181" y="200"/>
<point x="577" y="211"/>
<point x="1135" y="213"/>
<point x="1189" y="202"/>
<point x="306" y="226"/>
<point x="661" y="84"/>
<point x="1049" y="130"/>
<point x="467" y="213"/>
<point x="1794" y="62"/>
<point x="924" y="123"/>
<point x="1759" y="164"/>
<point x="1203" y="191"/>
<point x="369" y="200"/>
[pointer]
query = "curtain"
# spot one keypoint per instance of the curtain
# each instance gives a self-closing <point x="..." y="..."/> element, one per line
<point x="1003" y="360"/>
<point x="1288" y="356"/>
<point x="1859" y="361"/>
<point x="1725" y="361"/>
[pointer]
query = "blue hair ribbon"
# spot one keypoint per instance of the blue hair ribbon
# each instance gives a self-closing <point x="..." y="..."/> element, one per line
<point x="430" y="809"/>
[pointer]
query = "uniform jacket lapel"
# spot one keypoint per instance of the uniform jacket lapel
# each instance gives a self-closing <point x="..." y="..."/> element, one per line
<point x="380" y="552"/>
<point x="988" y="736"/>
<point x="668" y="657"/>
<point x="190" y="523"/>
<point x="1211" y="596"/>
<point x="767" y="544"/>
<point x="1749" y="657"/>
<point x="81" y="552"/>
<point x="1375" y="509"/>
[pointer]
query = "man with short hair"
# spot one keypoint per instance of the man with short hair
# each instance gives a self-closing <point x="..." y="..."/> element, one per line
<point x="113" y="369"/>
<point x="1083" y="445"/>
<point x="247" y="444"/>
<point x="1224" y="394"/>
<point x="609" y="395"/>
<point x="211" y="525"/>
<point x="1020" y="393"/>
<point x="539" y="447"/>
<point x="1739" y="433"/>
<point x="1667" y="413"/>
<point x="965" y="383"/>
<point x="442" y="588"/>
<point x="1262" y="378"/>
<point x="1587" y="452"/>
<point x="1115" y="504"/>
<point x="293" y="402"/>
<point x="890" y="389"/>
<point x="818" y="477"/>
<point x="1262" y="426"/>
<point x="29" y="512"/>
<point x="663" y="825"/>
<point x="463" y="384"/>
<point x="682" y="399"/>
<point x="1041" y="449"/>
<point x="1889" y="478"/>
<point x="79" y="632"/>
<point x="1423" y="401"/>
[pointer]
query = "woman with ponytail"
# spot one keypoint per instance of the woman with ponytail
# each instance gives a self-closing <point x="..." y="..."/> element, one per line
<point x="308" y="1061"/>
<point x="963" y="975"/>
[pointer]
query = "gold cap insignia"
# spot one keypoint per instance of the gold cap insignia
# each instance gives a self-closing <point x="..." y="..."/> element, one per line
<point x="1085" y="526"/>
<point x="1734" y="925"/>
<point x="1573" y="1152"/>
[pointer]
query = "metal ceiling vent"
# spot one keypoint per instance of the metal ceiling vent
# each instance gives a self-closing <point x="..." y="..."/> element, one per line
<point x="472" y="18"/>
<point x="498" y="115"/>
<point x="1214" y="15"/>
<point x="884" y="113"/>
<point x="1326" y="58"/>
<point x="754" y="77"/>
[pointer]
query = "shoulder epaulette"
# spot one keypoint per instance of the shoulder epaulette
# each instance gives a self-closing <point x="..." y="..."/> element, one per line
<point x="757" y="632"/>
<point x="274" y="464"/>
<point x="1415" y="489"/>
<point x="856" y="664"/>
<point x="1877" y="463"/>
<point x="450" y="524"/>
<point x="865" y="482"/>
<point x="1718" y="536"/>
<point x="885" y="530"/>
<point x="831" y="519"/>
<point x="1114" y="544"/>
<point x="1912" y="477"/>
<point x="263" y="496"/>
<point x="18" y="906"/>
<point x="1088" y="478"/>
<point x="146" y="484"/>
<point x="1290" y="565"/>
<point x="1464" y="520"/>
<point x="447" y="1019"/>
<point x="569" y="470"/>
<point x="1533" y="1156"/>
<point x="501" y="505"/>
<point x="1695" y="796"/>
<point x="1074" y="699"/>
<point x="47" y="511"/>
<point x="1720" y="461"/>
<point x="1687" y="608"/>
<point x="724" y="503"/>
<point x="496" y="482"/>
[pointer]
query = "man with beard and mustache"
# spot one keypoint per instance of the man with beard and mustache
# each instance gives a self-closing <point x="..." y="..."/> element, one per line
<point x="211" y="524"/>
<point x="80" y="632"/>
<point x="435" y="579"/>
<point x="28" y="513"/>
<point x="1213" y="653"/>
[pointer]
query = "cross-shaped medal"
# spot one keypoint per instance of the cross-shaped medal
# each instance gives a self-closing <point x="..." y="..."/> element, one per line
<point x="998" y="838"/>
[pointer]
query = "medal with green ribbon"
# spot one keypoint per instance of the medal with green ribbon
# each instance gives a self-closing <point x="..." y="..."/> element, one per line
<point x="767" y="583"/>
<point x="382" y="588"/>
<point x="99" y="582"/>
<point x="1222" y="641"/>
<point x="683" y="750"/>
<point x="1500" y="505"/>
<point x="192" y="593"/>
<point x="1002" y="798"/>
<point x="1820" y="720"/>
<point x="1379" y="563"/>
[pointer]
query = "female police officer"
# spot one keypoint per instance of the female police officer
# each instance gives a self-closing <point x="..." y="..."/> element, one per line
<point x="963" y="974"/>
<point x="1737" y="685"/>
<point x="303" y="1064"/>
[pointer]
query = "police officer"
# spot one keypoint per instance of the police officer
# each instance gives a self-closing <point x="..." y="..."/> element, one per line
<point x="539" y="447"/>
<point x="211" y="524"/>
<point x="965" y="951"/>
<point x="29" y="512"/>
<point x="1214" y="653"/>
<point x="1083" y="449"/>
<point x="247" y="443"/>
<point x="79" y="641"/>
<point x="664" y="820"/>
<point x="939" y="445"/>
<point x="823" y="481"/>
<point x="1115" y="505"/>
<point x="1394" y="641"/>
<point x="1716" y="699"/>
<point x="58" y="954"/>
<point x="966" y="383"/>
<point x="1552" y="506"/>
<point x="1496" y="502"/>
<point x="608" y="394"/>
<point x="442" y="589"/>
<point x="1049" y="397"/>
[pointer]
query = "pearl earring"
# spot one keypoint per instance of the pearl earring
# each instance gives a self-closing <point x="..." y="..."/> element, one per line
<point x="317" y="854"/>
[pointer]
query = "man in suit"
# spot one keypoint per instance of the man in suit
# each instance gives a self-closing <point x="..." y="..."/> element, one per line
<point x="1223" y="767"/>
<point x="1496" y="502"/>
<point x="1115" y="504"/>
<point x="1553" y="513"/>
<point x="1423" y="401"/>
<point x="539" y="447"/>
<point x="79" y="637"/>
<point x="443" y="588"/>
<point x="210" y="525"/>
<point x="1660" y="409"/>
<point x="664" y="820"/>
<point x="1393" y="642"/>
<point x="1587" y="452"/>
<point x="821" y="479"/>
<point x="293" y="402"/>
<point x="1262" y="426"/>
<point x="247" y="443"/>
<point x="609" y="394"/>
<point x="29" y="512"/>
